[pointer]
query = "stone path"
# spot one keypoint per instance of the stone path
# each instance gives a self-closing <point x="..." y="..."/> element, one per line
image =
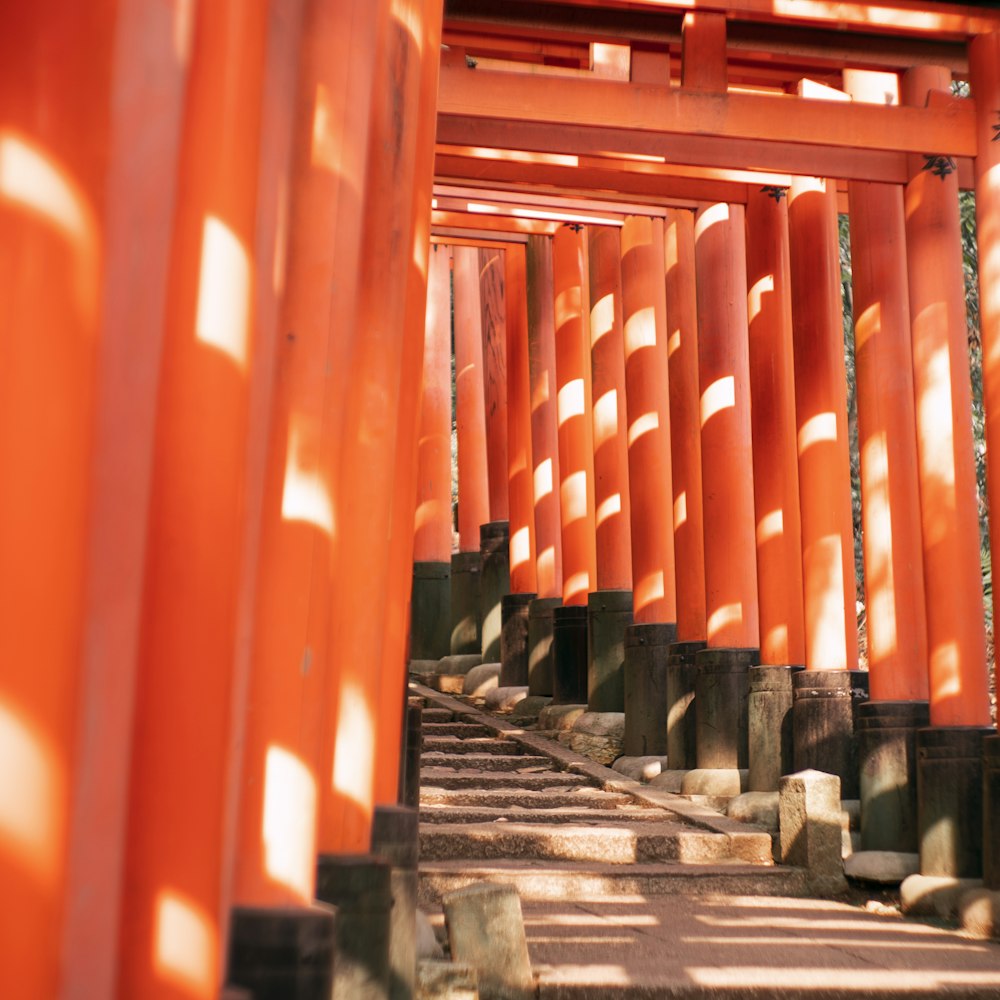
<point x="632" y="892"/>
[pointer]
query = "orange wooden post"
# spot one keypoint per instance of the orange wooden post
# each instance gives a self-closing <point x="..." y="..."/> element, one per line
<point x="984" y="69"/>
<point x="831" y="633"/>
<point x="685" y="424"/>
<point x="537" y="626"/>
<point x="519" y="464"/>
<point x="727" y="483"/>
<point x="367" y="461"/>
<point x="648" y="641"/>
<point x="956" y="629"/>
<point x="648" y="409"/>
<point x="174" y="863"/>
<point x="56" y="133"/>
<point x="610" y="606"/>
<point x="685" y="451"/>
<point x="703" y="52"/>
<point x="430" y="626"/>
<point x="775" y="460"/>
<point x="544" y="426"/>
<point x="574" y="415"/>
<point x="392" y="688"/>
<point x="890" y="508"/>
<point x="473" y="478"/>
<point x="494" y="325"/>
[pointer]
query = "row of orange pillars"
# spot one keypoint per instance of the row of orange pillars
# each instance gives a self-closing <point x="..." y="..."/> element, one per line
<point x="657" y="414"/>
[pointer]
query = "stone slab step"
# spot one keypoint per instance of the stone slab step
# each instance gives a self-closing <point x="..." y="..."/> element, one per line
<point x="463" y="730"/>
<point x="522" y="763"/>
<point x="475" y="744"/>
<point x="438" y="715"/>
<point x="446" y="777"/>
<point x="447" y="813"/>
<point x="579" y="797"/>
<point x="608" y="843"/>
<point x="567" y="880"/>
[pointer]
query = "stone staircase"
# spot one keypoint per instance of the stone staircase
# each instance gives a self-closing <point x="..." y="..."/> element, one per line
<point x="502" y="804"/>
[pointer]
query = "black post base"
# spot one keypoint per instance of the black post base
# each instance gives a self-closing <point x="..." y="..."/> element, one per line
<point x="682" y="675"/>
<point x="647" y="648"/>
<point x="540" y="655"/>
<point x="430" y="614"/>
<point x="466" y="571"/>
<point x="609" y="612"/>
<point x="823" y="726"/>
<point x="569" y="655"/>
<point x="514" y="639"/>
<point x="991" y="812"/>
<point x="769" y="725"/>
<point x="721" y="693"/>
<point x="494" y="548"/>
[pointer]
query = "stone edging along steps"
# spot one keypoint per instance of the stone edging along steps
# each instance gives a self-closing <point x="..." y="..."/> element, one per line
<point x="504" y="805"/>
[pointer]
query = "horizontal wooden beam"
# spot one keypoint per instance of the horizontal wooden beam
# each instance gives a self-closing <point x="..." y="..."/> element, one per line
<point x="441" y="237"/>
<point x="556" y="202"/>
<point x="492" y="223"/>
<point x="494" y="208"/>
<point x="691" y="150"/>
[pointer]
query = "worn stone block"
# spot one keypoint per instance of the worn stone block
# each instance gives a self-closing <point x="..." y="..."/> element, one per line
<point x="559" y="718"/>
<point x="934" y="895"/>
<point x="503" y="699"/>
<point x="979" y="913"/>
<point x="882" y="867"/>
<point x="759" y="808"/>
<point x="486" y="931"/>
<point x="480" y="679"/>
<point x="722" y="782"/>
<point x="640" y="768"/>
<point x="439" y="980"/>
<point x="809" y="819"/>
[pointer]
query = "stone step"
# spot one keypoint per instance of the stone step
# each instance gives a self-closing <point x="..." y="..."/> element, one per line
<point x="608" y="842"/>
<point x="522" y="763"/>
<point x="567" y="880"/>
<point x="475" y="744"/>
<point x="463" y="730"/>
<point x="436" y="715"/>
<point x="446" y="777"/>
<point x="580" y="797"/>
<point x="447" y="813"/>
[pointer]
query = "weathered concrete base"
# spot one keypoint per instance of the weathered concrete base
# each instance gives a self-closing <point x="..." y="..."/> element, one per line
<point x="569" y="655"/>
<point x="494" y="549"/>
<point x="769" y="725"/>
<point x="541" y="668"/>
<point x="559" y="718"/>
<point x="360" y="887"/>
<point x="480" y="679"/>
<point x="439" y="980"/>
<point x="639" y="768"/>
<point x="682" y="676"/>
<point x="282" y="953"/>
<point x="979" y="913"/>
<point x="430" y="617"/>
<point x="466" y="634"/>
<point x="647" y="648"/>
<point x="597" y="735"/>
<point x="809" y="819"/>
<point x="395" y="837"/>
<point x="669" y="781"/>
<point x="514" y="610"/>
<point x="409" y="769"/>
<point x="823" y="726"/>
<point x="881" y="867"/>
<point x="486" y="931"/>
<point x="503" y="699"/>
<point x="609" y="612"/>
<point x="991" y="812"/>
<point x="719" y="782"/>
<point x="934" y="895"/>
<point x="428" y="946"/>
<point x="758" y="808"/>
<point x="721" y="693"/>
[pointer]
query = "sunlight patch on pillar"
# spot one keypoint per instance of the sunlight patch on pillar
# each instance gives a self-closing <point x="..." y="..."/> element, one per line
<point x="185" y="944"/>
<point x="673" y="343"/>
<point x="602" y="317"/>
<point x="408" y="14"/>
<point x="430" y="512"/>
<point x="540" y="391"/>
<point x="573" y="497"/>
<point x="354" y="752"/>
<point x="570" y="401"/>
<point x="775" y="641"/>
<point x="723" y="618"/>
<point x="223" y="313"/>
<point x="642" y="425"/>
<point x="719" y="396"/>
<point x="708" y="217"/>
<point x="305" y="496"/>
<point x="771" y="525"/>
<point x="520" y="548"/>
<point x="823" y="573"/>
<point x="326" y="144"/>
<point x="648" y="589"/>
<point x="576" y="585"/>
<point x="545" y="569"/>
<point x="867" y="325"/>
<point x="608" y="508"/>
<point x="543" y="480"/>
<point x="761" y="287"/>
<point x="818" y="429"/>
<point x="31" y="180"/>
<point x="680" y="509"/>
<point x="605" y="418"/>
<point x="31" y="796"/>
<point x="567" y="305"/>
<point x="289" y="830"/>
<point x="640" y="330"/>
<point x="945" y="672"/>
<point x="183" y="30"/>
<point x="934" y="429"/>
<point x="877" y="513"/>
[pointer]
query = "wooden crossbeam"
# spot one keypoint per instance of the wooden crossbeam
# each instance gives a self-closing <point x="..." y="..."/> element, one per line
<point x="494" y="223"/>
<point x="657" y="110"/>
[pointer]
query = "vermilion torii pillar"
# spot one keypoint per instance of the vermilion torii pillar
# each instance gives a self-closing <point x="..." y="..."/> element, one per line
<point x="610" y="606"/>
<point x="647" y="641"/>
<point x="431" y="604"/>
<point x="685" y="451"/>
<point x="494" y="327"/>
<point x="776" y="488"/>
<point x="473" y="486"/>
<point x="545" y="461"/>
<point x="727" y="483"/>
<point x="576" y="464"/>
